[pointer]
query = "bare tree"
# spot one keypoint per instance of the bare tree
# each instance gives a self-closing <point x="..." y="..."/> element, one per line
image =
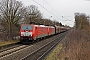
<point x="81" y="20"/>
<point x="33" y="14"/>
<point x="12" y="12"/>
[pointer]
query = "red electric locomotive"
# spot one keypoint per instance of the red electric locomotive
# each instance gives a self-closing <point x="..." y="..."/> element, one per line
<point x="31" y="32"/>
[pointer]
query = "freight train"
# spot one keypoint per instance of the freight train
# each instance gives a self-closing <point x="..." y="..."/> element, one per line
<point x="32" y="32"/>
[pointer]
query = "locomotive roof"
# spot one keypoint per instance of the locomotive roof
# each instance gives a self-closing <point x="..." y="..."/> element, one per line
<point x="41" y="25"/>
<point x="33" y="25"/>
<point x="36" y="25"/>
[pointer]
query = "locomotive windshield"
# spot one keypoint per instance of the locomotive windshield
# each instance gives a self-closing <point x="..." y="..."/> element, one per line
<point x="27" y="27"/>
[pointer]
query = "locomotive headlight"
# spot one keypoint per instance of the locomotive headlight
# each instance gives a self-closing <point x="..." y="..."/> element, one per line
<point x="22" y="33"/>
<point x="30" y="33"/>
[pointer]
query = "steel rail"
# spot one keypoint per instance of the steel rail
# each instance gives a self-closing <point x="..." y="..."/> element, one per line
<point x="25" y="58"/>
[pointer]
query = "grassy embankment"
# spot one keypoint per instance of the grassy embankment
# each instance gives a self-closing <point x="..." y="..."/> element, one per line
<point x="75" y="46"/>
<point x="2" y="43"/>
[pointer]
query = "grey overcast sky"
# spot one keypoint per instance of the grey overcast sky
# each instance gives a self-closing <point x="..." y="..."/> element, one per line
<point x="59" y="8"/>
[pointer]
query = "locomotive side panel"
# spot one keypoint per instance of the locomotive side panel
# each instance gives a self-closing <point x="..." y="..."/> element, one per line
<point x="52" y="30"/>
<point x="41" y="31"/>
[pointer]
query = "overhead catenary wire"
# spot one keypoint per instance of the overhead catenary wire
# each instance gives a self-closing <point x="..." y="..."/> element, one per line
<point x="48" y="4"/>
<point x="45" y="8"/>
<point x="51" y="7"/>
<point x="66" y="19"/>
<point x="54" y="10"/>
<point x="50" y="11"/>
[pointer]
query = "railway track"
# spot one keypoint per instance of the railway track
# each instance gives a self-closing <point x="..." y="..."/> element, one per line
<point x="29" y="52"/>
<point x="41" y="52"/>
<point x="8" y="48"/>
<point x="11" y="50"/>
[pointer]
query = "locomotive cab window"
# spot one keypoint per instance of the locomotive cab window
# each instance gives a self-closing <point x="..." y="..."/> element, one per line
<point x="27" y="27"/>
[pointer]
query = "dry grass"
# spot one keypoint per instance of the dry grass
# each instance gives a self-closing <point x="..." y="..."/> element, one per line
<point x="75" y="46"/>
<point x="54" y="55"/>
<point x="2" y="43"/>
